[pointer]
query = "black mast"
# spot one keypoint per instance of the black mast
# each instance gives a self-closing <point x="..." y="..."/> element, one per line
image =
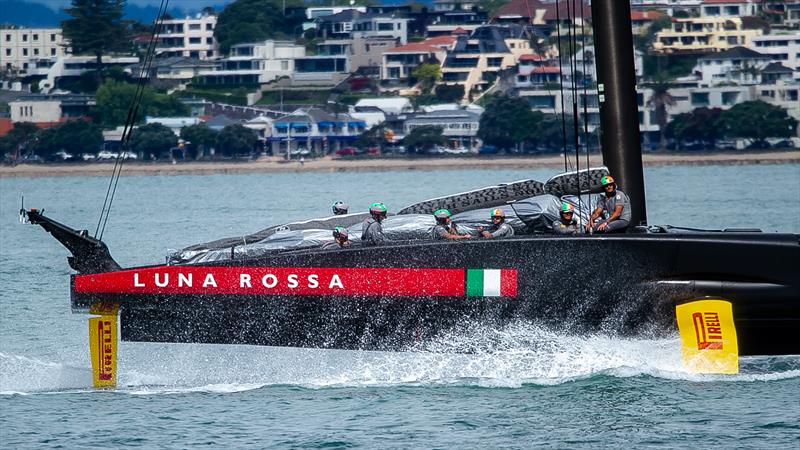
<point x="619" y="114"/>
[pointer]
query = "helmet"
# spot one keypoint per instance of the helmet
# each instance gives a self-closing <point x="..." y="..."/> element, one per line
<point x="606" y="180"/>
<point x="377" y="209"/>
<point x="340" y="232"/>
<point x="441" y="214"/>
<point x="497" y="212"/>
<point x="340" y="208"/>
<point x="566" y="208"/>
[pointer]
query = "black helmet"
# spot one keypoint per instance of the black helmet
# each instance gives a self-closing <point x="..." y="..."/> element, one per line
<point x="339" y="208"/>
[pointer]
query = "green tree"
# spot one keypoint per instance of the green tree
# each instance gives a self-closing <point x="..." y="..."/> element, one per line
<point x="372" y="137"/>
<point x="199" y="136"/>
<point x="20" y="139"/>
<point x="236" y="139"/>
<point x="96" y="28"/>
<point x="507" y="122"/>
<point x="450" y="93"/>
<point x="76" y="137"/>
<point x="660" y="99"/>
<point x="701" y="124"/>
<point x="756" y="121"/>
<point x="114" y="99"/>
<point x="152" y="139"/>
<point x="424" y="137"/>
<point x="255" y="20"/>
<point x="427" y="74"/>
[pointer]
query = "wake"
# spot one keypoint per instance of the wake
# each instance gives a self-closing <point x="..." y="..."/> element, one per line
<point x="515" y="356"/>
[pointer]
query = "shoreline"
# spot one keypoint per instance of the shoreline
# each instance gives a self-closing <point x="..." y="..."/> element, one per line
<point x="329" y="164"/>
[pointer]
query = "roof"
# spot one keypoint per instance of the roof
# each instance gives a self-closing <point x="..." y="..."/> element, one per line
<point x="648" y="15"/>
<point x="776" y="67"/>
<point x="736" y="53"/>
<point x="350" y="15"/>
<point x="440" y="40"/>
<point x="414" y="48"/>
<point x="532" y="57"/>
<point x="546" y="69"/>
<point x="220" y="121"/>
<point x="449" y="115"/>
<point x="526" y="8"/>
<point x="391" y="105"/>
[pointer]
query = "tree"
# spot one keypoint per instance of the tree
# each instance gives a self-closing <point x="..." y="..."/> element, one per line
<point x="75" y="137"/>
<point x="549" y="131"/>
<point x="427" y="74"/>
<point x="152" y="139"/>
<point x="756" y="121"/>
<point x="236" y="139"/>
<point x="114" y="99"/>
<point x="372" y="137"/>
<point x="700" y="125"/>
<point x="660" y="100"/>
<point x="450" y="93"/>
<point x="507" y="122"/>
<point x="96" y="28"/>
<point x="199" y="136"/>
<point x="424" y="137"/>
<point x="255" y="20"/>
<point x="20" y="138"/>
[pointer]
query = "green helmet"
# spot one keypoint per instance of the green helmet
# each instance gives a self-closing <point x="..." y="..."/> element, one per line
<point x="377" y="209"/>
<point x="606" y="180"/>
<point x="340" y="232"/>
<point x="567" y="208"/>
<point x="441" y="214"/>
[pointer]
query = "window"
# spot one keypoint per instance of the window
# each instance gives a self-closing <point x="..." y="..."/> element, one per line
<point x="52" y="37"/>
<point x="52" y="52"/>
<point x="24" y="52"/>
<point x="210" y="53"/>
<point x="209" y="27"/>
<point x="36" y="52"/>
<point x="699" y="98"/>
<point x="8" y="52"/>
<point x="195" y="40"/>
<point x="8" y="38"/>
<point x="24" y="38"/>
<point x="35" y="37"/>
<point x="194" y="26"/>
<point x="729" y="98"/>
<point x="385" y="27"/>
<point x="210" y="41"/>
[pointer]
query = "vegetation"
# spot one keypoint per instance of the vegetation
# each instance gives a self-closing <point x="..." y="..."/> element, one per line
<point x="660" y="100"/>
<point x="700" y="125"/>
<point x="199" y="136"/>
<point x="115" y="98"/>
<point x="507" y="122"/>
<point x="372" y="137"/>
<point x="756" y="121"/>
<point x="427" y="74"/>
<point x="75" y="137"/>
<point x="19" y="139"/>
<point x="152" y="139"/>
<point x="450" y="93"/>
<point x="236" y="140"/>
<point x="96" y="28"/>
<point x="256" y="20"/>
<point x="424" y="137"/>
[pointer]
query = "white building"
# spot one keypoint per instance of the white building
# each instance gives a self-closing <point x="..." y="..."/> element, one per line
<point x="20" y="47"/>
<point x="322" y="11"/>
<point x="255" y="63"/>
<point x="191" y="37"/>
<point x="738" y="65"/>
<point x="783" y="48"/>
<point x="459" y="126"/>
<point x="47" y="110"/>
<point x="729" y="8"/>
<point x="393" y="105"/>
<point x="72" y="66"/>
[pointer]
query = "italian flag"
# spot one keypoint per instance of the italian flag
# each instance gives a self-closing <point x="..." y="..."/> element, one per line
<point x="491" y="283"/>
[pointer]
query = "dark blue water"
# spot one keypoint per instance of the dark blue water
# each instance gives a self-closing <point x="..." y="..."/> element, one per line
<point x="531" y="389"/>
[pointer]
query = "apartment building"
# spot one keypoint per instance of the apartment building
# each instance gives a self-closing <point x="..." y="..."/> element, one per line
<point x="55" y="70"/>
<point x="459" y="126"/>
<point x="190" y="37"/>
<point x="399" y="62"/>
<point x="254" y="63"/>
<point x="48" y="110"/>
<point x="475" y="61"/>
<point x="353" y="23"/>
<point x="21" y="47"/>
<point x="738" y="65"/>
<point x="704" y="34"/>
<point x="729" y="8"/>
<point x="454" y="5"/>
<point x="783" y="47"/>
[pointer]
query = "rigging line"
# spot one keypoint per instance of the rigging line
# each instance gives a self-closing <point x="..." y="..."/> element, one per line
<point x="129" y="120"/>
<point x="573" y="39"/>
<point x="585" y="109"/>
<point x="561" y="87"/>
<point x="133" y="113"/>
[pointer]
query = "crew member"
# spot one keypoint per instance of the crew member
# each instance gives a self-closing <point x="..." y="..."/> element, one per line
<point x="614" y="205"/>
<point x="567" y="224"/>
<point x="445" y="228"/>
<point x="372" y="230"/>
<point x="339" y="208"/>
<point x="499" y="227"/>
<point x="341" y="239"/>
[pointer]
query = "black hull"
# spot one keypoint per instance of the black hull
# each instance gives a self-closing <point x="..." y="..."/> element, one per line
<point x="626" y="285"/>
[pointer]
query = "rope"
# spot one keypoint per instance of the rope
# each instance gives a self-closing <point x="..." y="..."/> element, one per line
<point x="585" y="110"/>
<point x="129" y="122"/>
<point x="561" y="88"/>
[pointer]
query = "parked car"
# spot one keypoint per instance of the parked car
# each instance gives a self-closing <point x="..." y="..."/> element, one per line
<point x="395" y="149"/>
<point x="129" y="155"/>
<point x="457" y="151"/>
<point x="88" y="156"/>
<point x="61" y="155"/>
<point x="30" y="158"/>
<point x="488" y="150"/>
<point x="106" y="155"/>
<point x="346" y="151"/>
<point x="372" y="151"/>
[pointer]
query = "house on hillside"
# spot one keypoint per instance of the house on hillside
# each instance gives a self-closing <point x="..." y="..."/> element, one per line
<point x="739" y="65"/>
<point x="254" y="63"/>
<point x="351" y="23"/>
<point x="704" y="35"/>
<point x="314" y="130"/>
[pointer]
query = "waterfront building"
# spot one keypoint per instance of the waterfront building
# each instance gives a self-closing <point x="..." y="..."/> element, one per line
<point x="190" y="37"/>
<point x="780" y="46"/>
<point x="21" y="47"/>
<point x="314" y="130"/>
<point x="399" y="62"/>
<point x="459" y="126"/>
<point x="254" y="63"/>
<point x="389" y="105"/>
<point x="49" y="110"/>
<point x="175" y="68"/>
<point x="704" y="35"/>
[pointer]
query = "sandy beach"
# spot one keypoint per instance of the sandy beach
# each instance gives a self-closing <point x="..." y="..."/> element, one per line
<point x="328" y="164"/>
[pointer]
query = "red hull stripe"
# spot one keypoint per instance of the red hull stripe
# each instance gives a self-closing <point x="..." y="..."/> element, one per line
<point x="508" y="283"/>
<point x="278" y="281"/>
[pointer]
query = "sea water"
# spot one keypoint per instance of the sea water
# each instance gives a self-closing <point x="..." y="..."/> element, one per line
<point x="521" y="387"/>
